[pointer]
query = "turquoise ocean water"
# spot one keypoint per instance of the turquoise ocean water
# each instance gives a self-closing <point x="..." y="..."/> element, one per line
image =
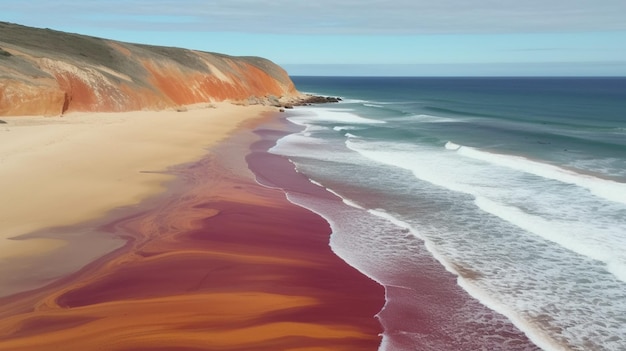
<point x="515" y="185"/>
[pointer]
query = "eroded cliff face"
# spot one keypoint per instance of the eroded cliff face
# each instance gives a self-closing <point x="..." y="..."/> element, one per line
<point x="45" y="72"/>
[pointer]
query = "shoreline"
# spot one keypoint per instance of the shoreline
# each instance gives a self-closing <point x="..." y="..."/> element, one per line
<point x="425" y="305"/>
<point x="243" y="267"/>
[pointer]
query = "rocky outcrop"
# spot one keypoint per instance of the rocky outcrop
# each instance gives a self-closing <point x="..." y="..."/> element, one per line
<point x="315" y="99"/>
<point x="46" y="72"/>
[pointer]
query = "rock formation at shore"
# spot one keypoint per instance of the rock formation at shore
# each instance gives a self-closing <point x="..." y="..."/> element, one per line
<point x="46" y="72"/>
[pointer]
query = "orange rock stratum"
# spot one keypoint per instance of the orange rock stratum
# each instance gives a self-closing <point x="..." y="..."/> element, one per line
<point x="46" y="72"/>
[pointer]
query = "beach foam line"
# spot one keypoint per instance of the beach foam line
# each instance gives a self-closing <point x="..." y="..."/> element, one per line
<point x="404" y="326"/>
<point x="537" y="336"/>
<point x="373" y="246"/>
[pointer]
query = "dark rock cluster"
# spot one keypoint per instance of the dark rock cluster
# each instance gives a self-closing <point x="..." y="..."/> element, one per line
<point x="314" y="99"/>
<point x="308" y="100"/>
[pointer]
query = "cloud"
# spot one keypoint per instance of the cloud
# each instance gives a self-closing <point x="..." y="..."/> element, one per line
<point x="371" y="17"/>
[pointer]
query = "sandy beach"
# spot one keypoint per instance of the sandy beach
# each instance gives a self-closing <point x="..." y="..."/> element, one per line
<point x="63" y="170"/>
<point x="212" y="261"/>
<point x="60" y="171"/>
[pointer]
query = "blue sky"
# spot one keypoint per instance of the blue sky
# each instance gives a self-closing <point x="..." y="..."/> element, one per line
<point x="365" y="37"/>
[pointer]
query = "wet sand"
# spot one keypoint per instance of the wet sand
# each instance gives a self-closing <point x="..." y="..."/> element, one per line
<point x="218" y="262"/>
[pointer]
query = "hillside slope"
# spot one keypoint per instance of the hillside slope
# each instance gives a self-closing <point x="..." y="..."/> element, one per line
<point x="47" y="72"/>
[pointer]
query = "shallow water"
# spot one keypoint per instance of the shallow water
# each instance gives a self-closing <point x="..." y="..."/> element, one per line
<point x="516" y="186"/>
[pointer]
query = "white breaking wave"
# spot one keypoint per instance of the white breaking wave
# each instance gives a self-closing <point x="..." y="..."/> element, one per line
<point x="332" y="116"/>
<point x="353" y="101"/>
<point x="604" y="188"/>
<point x="537" y="205"/>
<point x="342" y="128"/>
<point x="570" y="235"/>
<point x="538" y="336"/>
<point x="373" y="105"/>
<point x="452" y="146"/>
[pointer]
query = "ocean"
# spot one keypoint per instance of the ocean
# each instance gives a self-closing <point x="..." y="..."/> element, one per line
<point x="514" y="187"/>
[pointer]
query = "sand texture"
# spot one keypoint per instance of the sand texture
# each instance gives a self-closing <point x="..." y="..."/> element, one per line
<point x="60" y="171"/>
<point x="216" y="262"/>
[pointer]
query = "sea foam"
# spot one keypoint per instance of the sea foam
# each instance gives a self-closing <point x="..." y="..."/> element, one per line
<point x="539" y="205"/>
<point x="329" y="115"/>
<point x="342" y="128"/>
<point x="604" y="188"/>
<point x="538" y="336"/>
<point x="452" y="146"/>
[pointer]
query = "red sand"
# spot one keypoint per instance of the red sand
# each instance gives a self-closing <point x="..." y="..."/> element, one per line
<point x="217" y="263"/>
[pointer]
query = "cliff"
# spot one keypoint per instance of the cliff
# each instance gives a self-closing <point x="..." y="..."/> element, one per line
<point x="46" y="72"/>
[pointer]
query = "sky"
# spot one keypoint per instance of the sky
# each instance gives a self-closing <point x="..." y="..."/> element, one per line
<point x="363" y="37"/>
